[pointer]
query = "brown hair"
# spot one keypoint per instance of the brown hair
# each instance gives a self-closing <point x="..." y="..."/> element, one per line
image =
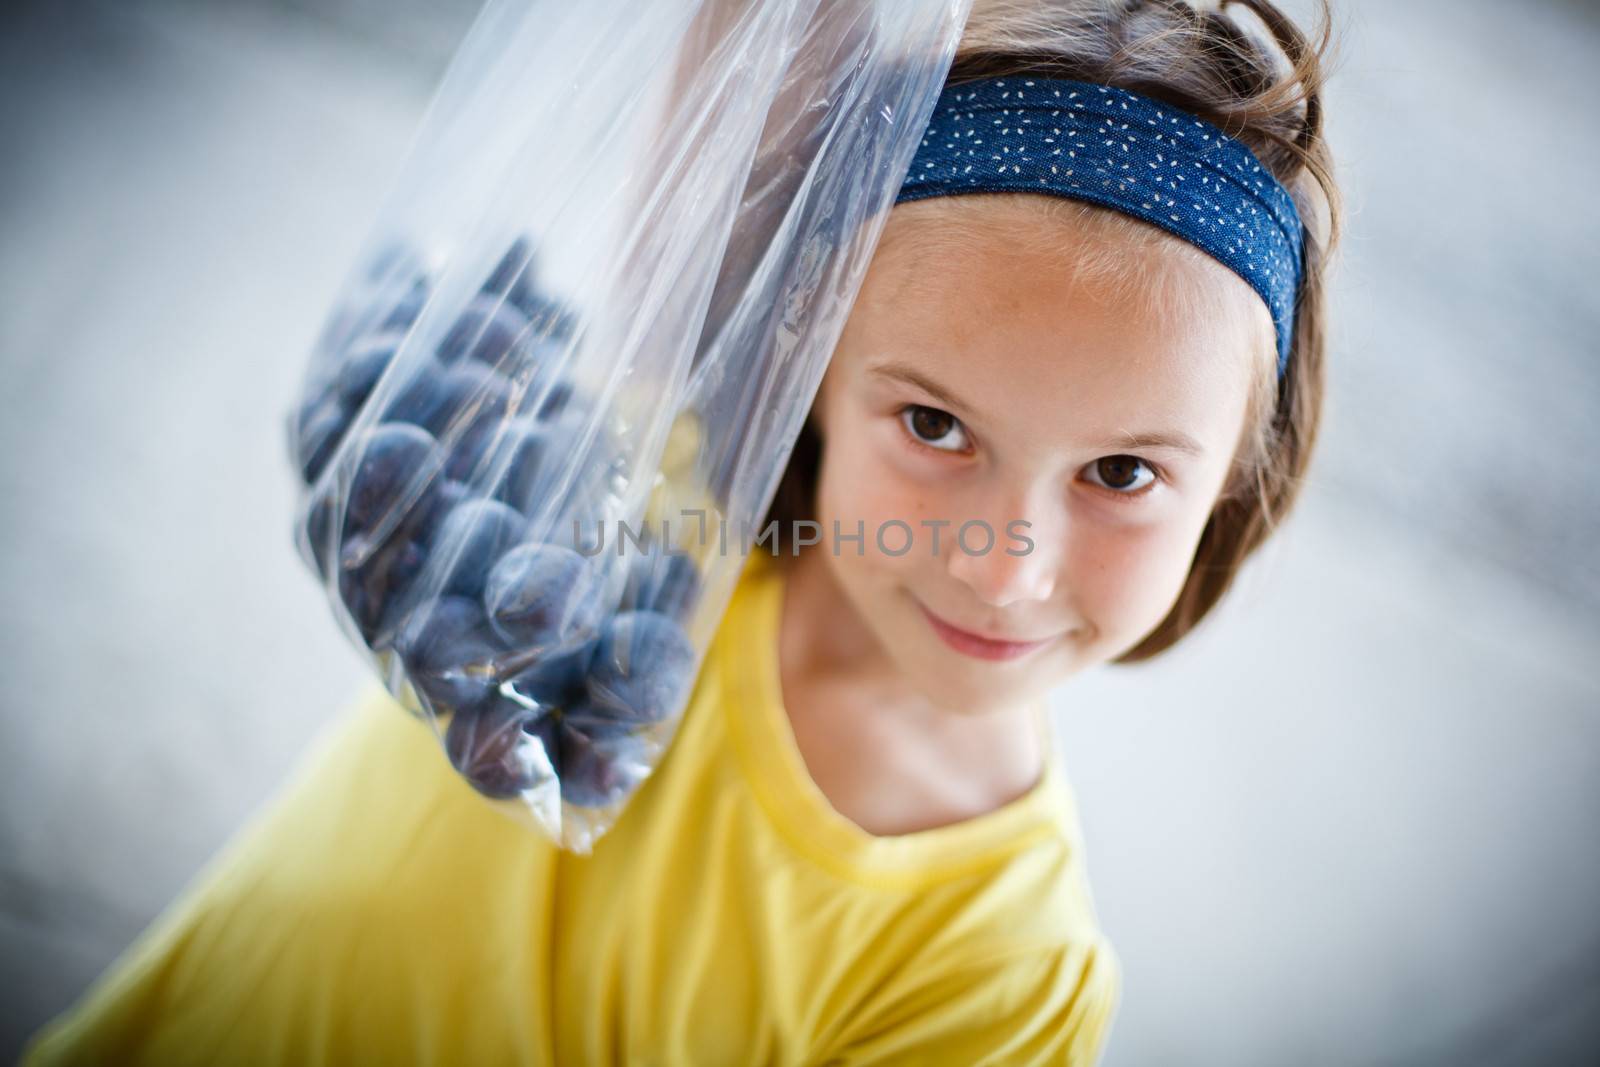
<point x="1204" y="62"/>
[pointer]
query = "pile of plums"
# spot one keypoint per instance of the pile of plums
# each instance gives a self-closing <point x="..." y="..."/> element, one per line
<point x="544" y="660"/>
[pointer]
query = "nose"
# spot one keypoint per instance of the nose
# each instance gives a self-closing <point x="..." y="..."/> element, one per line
<point x="1012" y="570"/>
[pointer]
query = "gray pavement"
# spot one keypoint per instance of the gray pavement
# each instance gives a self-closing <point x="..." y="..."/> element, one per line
<point x="1350" y="822"/>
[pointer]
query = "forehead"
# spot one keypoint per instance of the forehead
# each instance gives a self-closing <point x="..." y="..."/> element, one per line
<point x="1033" y="306"/>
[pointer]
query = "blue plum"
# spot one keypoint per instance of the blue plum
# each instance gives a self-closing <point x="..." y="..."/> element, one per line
<point x="590" y="507"/>
<point x="374" y="589"/>
<point x="469" y="446"/>
<point x="599" y="771"/>
<point x="427" y="520"/>
<point x="514" y="276"/>
<point x="320" y="537"/>
<point x="420" y="401"/>
<point x="545" y="456"/>
<point x="449" y="653"/>
<point x="661" y="580"/>
<point x="556" y="400"/>
<point x="486" y="331"/>
<point x="439" y="398"/>
<point x="408" y="308"/>
<point x="493" y="747"/>
<point x="548" y="317"/>
<point x="362" y="364"/>
<point x="475" y="402"/>
<point x="538" y="594"/>
<point x="319" y="427"/>
<point x="601" y="465"/>
<point x="643" y="667"/>
<point x="557" y="680"/>
<point x="530" y="449"/>
<point x="539" y="371"/>
<point x="581" y="714"/>
<point x="484" y="530"/>
<point x="470" y="391"/>
<point x="395" y="458"/>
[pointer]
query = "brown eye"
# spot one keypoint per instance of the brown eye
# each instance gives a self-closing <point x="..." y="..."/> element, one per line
<point x="930" y="423"/>
<point x="1122" y="474"/>
<point x="934" y="428"/>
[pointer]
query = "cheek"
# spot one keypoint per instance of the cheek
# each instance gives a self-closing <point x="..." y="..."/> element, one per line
<point x="1127" y="578"/>
<point x="862" y="482"/>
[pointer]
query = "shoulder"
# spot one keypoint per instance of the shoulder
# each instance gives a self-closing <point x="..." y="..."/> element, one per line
<point x="1049" y="1004"/>
<point x="1017" y="970"/>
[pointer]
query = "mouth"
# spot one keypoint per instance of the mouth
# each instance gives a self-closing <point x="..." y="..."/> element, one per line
<point x="978" y="646"/>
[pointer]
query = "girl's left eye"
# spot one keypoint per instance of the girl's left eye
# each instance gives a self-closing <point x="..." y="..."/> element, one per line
<point x="1121" y="475"/>
<point x="933" y="428"/>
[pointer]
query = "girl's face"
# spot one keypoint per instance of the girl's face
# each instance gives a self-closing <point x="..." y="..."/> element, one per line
<point x="996" y="384"/>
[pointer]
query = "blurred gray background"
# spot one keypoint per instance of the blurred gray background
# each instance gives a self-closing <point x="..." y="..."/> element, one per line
<point x="1352" y="821"/>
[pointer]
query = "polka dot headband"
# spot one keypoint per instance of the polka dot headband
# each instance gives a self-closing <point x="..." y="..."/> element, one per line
<point x="1125" y="151"/>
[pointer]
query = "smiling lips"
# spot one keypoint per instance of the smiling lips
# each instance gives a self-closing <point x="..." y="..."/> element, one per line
<point x="971" y="644"/>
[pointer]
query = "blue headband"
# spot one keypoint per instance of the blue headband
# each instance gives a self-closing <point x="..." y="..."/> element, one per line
<point x="1119" y="149"/>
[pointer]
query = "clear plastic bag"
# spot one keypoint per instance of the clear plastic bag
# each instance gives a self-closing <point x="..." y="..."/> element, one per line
<point x="593" y="313"/>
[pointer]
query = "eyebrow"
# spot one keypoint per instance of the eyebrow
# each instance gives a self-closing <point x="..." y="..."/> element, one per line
<point x="1172" y="440"/>
<point x="904" y="373"/>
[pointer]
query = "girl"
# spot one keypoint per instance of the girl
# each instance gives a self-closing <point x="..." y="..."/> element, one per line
<point x="860" y="848"/>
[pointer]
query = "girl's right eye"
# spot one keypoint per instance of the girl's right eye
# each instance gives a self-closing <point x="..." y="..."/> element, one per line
<point x="932" y="428"/>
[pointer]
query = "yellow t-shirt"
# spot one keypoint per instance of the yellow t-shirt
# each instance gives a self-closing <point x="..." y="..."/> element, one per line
<point x="380" y="911"/>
